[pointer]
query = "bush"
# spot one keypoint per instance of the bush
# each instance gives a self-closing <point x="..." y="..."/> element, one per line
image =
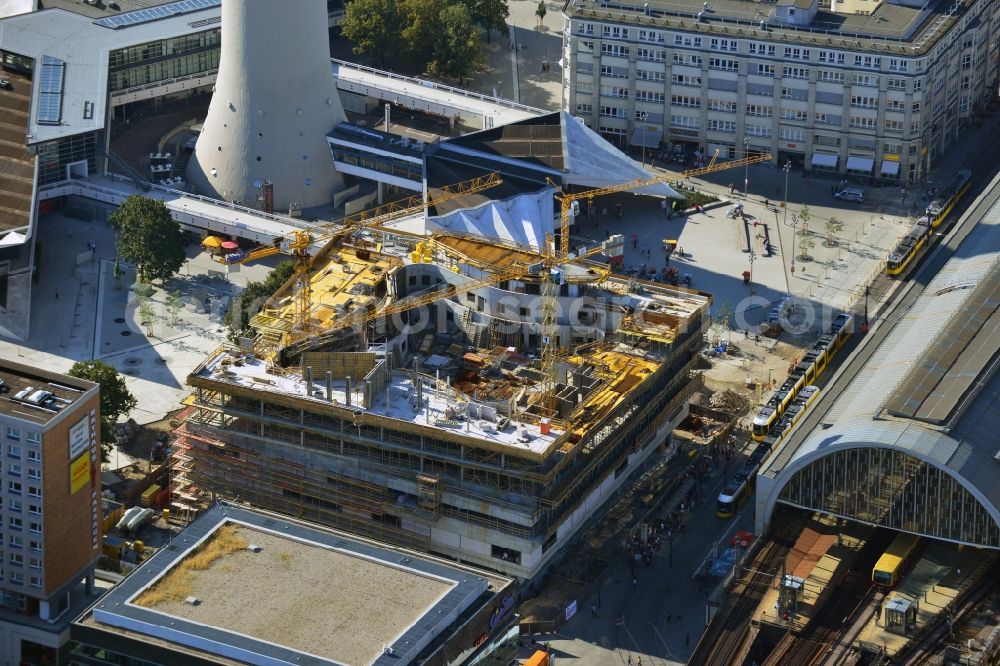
<point x="692" y="199"/>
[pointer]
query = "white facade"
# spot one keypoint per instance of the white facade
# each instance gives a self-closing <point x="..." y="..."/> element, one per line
<point x="275" y="100"/>
<point x="883" y="105"/>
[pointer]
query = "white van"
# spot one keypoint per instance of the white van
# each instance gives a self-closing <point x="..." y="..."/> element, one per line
<point x="851" y="194"/>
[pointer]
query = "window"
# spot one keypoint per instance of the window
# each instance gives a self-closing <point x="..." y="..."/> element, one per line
<point x="722" y="105"/>
<point x="614" y="72"/>
<point x="15" y="523"/>
<point x="14" y="434"/>
<point x="653" y="55"/>
<point x="649" y="75"/>
<point x="760" y="110"/>
<point x="865" y="80"/>
<point x="795" y="72"/>
<point x="612" y="112"/>
<point x="897" y="65"/>
<point x="14" y="469"/>
<point x="13" y="451"/>
<point x="794" y="93"/>
<point x="915" y="107"/>
<point x="892" y="148"/>
<point x="868" y="61"/>
<point x="830" y="77"/>
<point x="615" y="32"/>
<point x="966" y="62"/>
<point x="586" y="46"/>
<point x="689" y="59"/>
<point x="719" y="44"/>
<point x="895" y="105"/>
<point x="896" y="83"/>
<point x="765" y="70"/>
<point x="614" y="91"/>
<point x="35" y="528"/>
<point x="16" y="541"/>
<point x="14" y="487"/>
<point x="34" y="545"/>
<point x="965" y="83"/>
<point x="35" y="563"/>
<point x="822" y="140"/>
<point x="687" y="40"/>
<point x="587" y="28"/>
<point x="652" y="36"/>
<point x="16" y="578"/>
<point x="864" y="102"/>
<point x="584" y="108"/>
<point x="34" y="491"/>
<point x="35" y="509"/>
<point x="761" y="49"/>
<point x="790" y="134"/>
<point x="14" y="505"/>
<point x="684" y="100"/>
<point x="758" y="130"/>
<point x="914" y="126"/>
<point x="792" y="114"/>
<point x="649" y="96"/>
<point x="963" y="104"/>
<point x="831" y="57"/>
<point x="728" y="126"/>
<point x="723" y="64"/>
<point x="36" y="581"/>
<point x="616" y="50"/>
<point x="862" y="122"/>
<point x="685" y="80"/>
<point x="796" y="53"/>
<point x="918" y="85"/>
<point x="684" y="121"/>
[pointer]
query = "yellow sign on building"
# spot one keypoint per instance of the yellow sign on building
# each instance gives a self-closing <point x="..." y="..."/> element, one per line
<point x="79" y="473"/>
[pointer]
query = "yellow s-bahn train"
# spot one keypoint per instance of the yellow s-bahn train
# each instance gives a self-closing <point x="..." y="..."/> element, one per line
<point x="934" y="215"/>
<point x="895" y="561"/>
<point x="812" y="365"/>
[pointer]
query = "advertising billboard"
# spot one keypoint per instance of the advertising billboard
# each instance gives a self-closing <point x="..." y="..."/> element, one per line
<point x="79" y="473"/>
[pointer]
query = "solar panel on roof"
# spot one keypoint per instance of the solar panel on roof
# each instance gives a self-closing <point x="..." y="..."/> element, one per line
<point x="50" y="87"/>
<point x="155" y="13"/>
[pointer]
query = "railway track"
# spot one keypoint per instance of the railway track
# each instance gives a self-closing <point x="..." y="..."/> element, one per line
<point x="723" y="647"/>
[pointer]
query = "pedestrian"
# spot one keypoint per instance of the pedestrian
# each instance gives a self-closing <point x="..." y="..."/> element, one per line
<point x="732" y="188"/>
<point x="57" y="294"/>
<point x="638" y="662"/>
<point x="634" y="583"/>
<point x="593" y="609"/>
<point x="635" y="238"/>
<point x="630" y="660"/>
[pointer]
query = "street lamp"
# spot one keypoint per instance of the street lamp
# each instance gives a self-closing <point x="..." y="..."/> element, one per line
<point x="746" y="167"/>
<point x="642" y="118"/>
<point x="787" y="168"/>
<point x="795" y="224"/>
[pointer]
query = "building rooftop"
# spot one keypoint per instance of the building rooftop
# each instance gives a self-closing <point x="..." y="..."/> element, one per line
<point x="83" y="47"/>
<point x="104" y="10"/>
<point x="889" y="28"/>
<point x="241" y="586"/>
<point x="37" y="395"/>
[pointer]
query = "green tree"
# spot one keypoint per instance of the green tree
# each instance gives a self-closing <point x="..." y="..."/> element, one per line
<point x="373" y="27"/>
<point x="833" y="227"/>
<point x="458" y="48"/>
<point x="174" y="304"/>
<point x="421" y="28"/>
<point x="804" y="216"/>
<point x="149" y="238"/>
<point x="146" y="316"/>
<point x="116" y="400"/>
<point x="490" y="15"/>
<point x="805" y="244"/>
<point x="252" y="299"/>
<point x="541" y="11"/>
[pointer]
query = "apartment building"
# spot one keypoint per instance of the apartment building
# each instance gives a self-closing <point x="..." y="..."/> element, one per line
<point x="50" y="526"/>
<point x="865" y="88"/>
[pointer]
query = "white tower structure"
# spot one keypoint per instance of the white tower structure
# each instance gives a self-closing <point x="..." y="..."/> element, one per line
<point x="275" y="100"/>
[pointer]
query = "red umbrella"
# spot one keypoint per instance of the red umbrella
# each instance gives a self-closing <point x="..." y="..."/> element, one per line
<point x="230" y="245"/>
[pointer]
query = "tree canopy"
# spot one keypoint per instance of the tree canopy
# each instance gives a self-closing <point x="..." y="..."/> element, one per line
<point x="489" y="14"/>
<point x="149" y="238"/>
<point x="458" y="47"/>
<point x="116" y="400"/>
<point x="373" y="27"/>
<point x="253" y="297"/>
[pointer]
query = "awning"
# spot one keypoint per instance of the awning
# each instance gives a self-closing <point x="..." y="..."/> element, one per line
<point x="212" y="241"/>
<point x="13" y="238"/>
<point x="890" y="168"/>
<point x="648" y="137"/>
<point x="824" y="160"/>
<point x="855" y="163"/>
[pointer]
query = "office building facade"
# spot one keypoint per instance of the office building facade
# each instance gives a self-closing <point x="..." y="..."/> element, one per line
<point x="881" y="92"/>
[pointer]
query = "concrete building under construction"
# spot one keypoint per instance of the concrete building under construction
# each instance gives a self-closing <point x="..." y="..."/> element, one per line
<point x="485" y="401"/>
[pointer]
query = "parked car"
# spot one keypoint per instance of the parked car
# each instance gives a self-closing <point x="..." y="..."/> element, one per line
<point x="6" y="85"/>
<point x="850" y="194"/>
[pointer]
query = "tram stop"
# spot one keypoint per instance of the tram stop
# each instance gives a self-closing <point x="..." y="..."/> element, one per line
<point x="791" y="593"/>
<point x="900" y="616"/>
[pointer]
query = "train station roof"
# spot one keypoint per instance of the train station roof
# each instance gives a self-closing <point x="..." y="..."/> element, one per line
<point x="930" y="389"/>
